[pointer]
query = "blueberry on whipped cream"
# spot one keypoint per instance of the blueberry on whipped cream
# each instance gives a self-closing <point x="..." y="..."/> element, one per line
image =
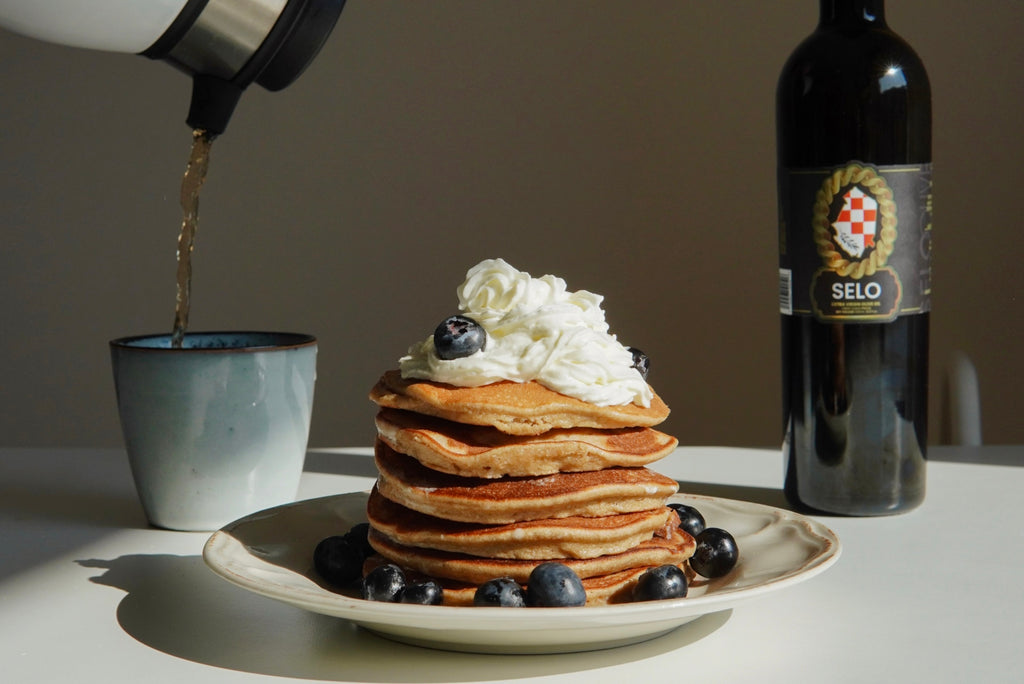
<point x="534" y="329"/>
<point x="457" y="337"/>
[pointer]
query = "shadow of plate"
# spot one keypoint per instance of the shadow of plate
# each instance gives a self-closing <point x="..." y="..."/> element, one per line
<point x="176" y="605"/>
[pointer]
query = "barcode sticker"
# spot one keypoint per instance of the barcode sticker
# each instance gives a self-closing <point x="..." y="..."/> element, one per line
<point x="786" y="291"/>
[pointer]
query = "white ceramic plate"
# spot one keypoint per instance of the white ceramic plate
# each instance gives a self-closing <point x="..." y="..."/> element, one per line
<point x="271" y="552"/>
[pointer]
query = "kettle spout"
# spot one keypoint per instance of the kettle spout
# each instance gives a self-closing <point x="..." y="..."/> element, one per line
<point x="213" y="102"/>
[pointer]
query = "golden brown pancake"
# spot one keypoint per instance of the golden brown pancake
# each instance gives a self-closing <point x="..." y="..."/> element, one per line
<point x="477" y="570"/>
<point x="405" y="480"/>
<point x="550" y="539"/>
<point x="514" y="408"/>
<point x="484" y="451"/>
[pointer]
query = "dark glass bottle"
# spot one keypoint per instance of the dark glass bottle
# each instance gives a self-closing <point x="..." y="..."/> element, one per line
<point x="855" y="388"/>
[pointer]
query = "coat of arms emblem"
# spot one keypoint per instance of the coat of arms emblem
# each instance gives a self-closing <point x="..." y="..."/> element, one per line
<point x="854" y="227"/>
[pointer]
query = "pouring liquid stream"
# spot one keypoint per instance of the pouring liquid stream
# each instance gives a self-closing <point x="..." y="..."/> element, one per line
<point x="195" y="175"/>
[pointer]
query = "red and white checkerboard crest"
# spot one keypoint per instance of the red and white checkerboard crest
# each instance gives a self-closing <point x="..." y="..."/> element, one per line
<point x="855" y="225"/>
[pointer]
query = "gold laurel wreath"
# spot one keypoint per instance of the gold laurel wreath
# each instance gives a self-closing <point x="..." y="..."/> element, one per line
<point x="869" y="179"/>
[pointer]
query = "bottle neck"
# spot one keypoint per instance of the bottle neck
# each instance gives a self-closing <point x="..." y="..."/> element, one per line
<point x="865" y="12"/>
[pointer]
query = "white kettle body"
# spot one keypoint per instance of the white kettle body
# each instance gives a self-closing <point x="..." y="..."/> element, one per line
<point x="225" y="45"/>
<point x="114" y="25"/>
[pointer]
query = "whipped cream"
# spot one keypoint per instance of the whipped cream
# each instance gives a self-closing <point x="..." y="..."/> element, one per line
<point x="536" y="330"/>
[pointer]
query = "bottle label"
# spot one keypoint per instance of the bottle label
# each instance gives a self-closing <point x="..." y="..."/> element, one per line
<point x="855" y="242"/>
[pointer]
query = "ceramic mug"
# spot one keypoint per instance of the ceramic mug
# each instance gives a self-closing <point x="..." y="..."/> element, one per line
<point x="216" y="428"/>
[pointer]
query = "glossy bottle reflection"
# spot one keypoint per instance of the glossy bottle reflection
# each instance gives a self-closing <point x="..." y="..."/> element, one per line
<point x="854" y="394"/>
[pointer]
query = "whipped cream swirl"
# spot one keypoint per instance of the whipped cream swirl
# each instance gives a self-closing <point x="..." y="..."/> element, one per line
<point x="536" y="330"/>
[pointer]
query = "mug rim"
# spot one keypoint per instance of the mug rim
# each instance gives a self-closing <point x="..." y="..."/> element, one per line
<point x="281" y="341"/>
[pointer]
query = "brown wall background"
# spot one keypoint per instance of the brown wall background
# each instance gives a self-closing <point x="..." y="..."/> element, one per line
<point x="626" y="146"/>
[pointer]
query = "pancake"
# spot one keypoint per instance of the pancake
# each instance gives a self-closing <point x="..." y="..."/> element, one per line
<point x="602" y="590"/>
<point x="551" y="539"/>
<point x="405" y="480"/>
<point x="484" y="451"/>
<point x="513" y="408"/>
<point x="477" y="570"/>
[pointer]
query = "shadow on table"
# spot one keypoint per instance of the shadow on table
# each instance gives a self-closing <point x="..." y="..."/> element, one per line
<point x="341" y="462"/>
<point x="992" y="454"/>
<point x="759" y="495"/>
<point x="176" y="605"/>
<point x="43" y="515"/>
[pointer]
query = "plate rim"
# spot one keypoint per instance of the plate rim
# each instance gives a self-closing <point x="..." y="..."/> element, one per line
<point x="430" y="619"/>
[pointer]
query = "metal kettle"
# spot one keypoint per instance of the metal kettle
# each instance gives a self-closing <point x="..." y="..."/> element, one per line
<point x="224" y="45"/>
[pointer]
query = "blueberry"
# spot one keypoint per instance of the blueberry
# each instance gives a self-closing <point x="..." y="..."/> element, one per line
<point x="383" y="583"/>
<point x="555" y="584"/>
<point x="337" y="561"/>
<point x="458" y="336"/>
<point x="663" y="582"/>
<point x="427" y="593"/>
<point x="690" y="519"/>
<point x="716" y="553"/>
<point x="357" y="537"/>
<point x="640" y="361"/>
<point x="503" y="591"/>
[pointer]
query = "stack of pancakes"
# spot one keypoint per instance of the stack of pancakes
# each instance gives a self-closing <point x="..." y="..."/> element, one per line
<point x="478" y="483"/>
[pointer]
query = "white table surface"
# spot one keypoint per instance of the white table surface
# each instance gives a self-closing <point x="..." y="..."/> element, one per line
<point x="90" y="593"/>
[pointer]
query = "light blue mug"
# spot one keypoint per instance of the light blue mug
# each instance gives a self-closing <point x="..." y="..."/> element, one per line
<point x="216" y="428"/>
